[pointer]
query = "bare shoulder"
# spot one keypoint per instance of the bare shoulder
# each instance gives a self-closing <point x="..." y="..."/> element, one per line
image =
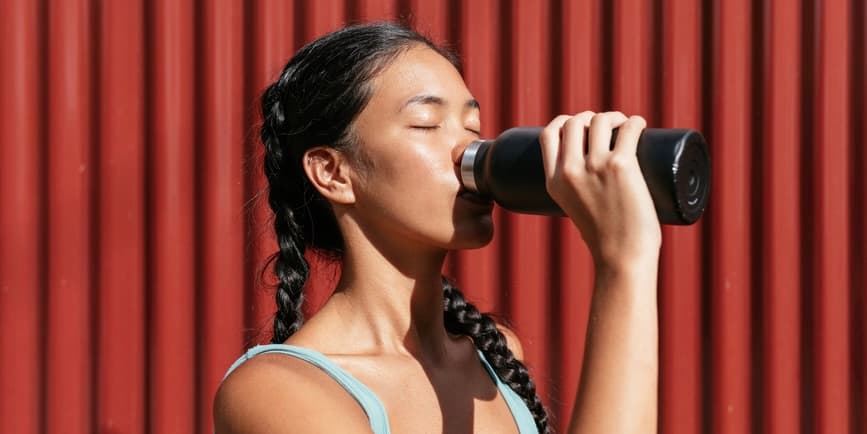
<point x="273" y="393"/>
<point x="512" y="341"/>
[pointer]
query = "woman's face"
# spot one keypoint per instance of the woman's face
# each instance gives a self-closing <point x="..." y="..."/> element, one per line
<point x="411" y="135"/>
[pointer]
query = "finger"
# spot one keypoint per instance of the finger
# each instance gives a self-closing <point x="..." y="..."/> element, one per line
<point x="600" y="137"/>
<point x="574" y="133"/>
<point x="628" y="135"/>
<point x="550" y="141"/>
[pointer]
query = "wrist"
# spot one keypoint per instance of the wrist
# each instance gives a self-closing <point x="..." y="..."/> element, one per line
<point x="642" y="267"/>
<point x="623" y="263"/>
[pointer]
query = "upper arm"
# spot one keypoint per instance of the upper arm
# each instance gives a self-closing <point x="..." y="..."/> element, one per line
<point x="280" y="394"/>
<point x="512" y="341"/>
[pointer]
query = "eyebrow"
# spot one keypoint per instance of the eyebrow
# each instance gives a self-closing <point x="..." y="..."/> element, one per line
<point x="435" y="100"/>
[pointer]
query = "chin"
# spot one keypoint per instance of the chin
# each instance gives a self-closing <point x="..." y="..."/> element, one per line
<point x="473" y="236"/>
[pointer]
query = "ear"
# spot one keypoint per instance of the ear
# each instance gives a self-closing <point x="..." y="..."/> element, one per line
<point x="328" y="171"/>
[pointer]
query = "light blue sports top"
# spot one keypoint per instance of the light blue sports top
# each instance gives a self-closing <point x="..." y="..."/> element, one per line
<point x="369" y="402"/>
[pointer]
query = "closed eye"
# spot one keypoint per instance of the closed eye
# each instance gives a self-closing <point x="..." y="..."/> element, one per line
<point x="426" y="127"/>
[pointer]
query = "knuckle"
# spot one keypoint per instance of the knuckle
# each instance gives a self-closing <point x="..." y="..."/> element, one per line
<point x="634" y="124"/>
<point x="559" y="120"/>
<point x="573" y="123"/>
<point x="618" y="164"/>
<point x="594" y="165"/>
<point x="600" y="120"/>
<point x="549" y="134"/>
<point x="555" y="123"/>
<point x="608" y="119"/>
<point x="618" y="119"/>
<point x="571" y="171"/>
<point x="586" y="115"/>
<point x="638" y="121"/>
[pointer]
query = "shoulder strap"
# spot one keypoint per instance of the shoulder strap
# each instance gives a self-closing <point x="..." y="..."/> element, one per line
<point x="366" y="398"/>
<point x="520" y="412"/>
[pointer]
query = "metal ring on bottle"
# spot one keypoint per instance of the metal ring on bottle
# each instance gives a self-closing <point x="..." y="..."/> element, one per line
<point x="468" y="160"/>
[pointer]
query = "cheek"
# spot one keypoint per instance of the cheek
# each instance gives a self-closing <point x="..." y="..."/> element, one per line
<point x="416" y="168"/>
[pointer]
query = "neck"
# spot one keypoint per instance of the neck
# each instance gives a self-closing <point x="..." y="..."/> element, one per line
<point x="393" y="297"/>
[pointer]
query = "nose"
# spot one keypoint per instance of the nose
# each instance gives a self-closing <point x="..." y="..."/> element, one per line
<point x="462" y="144"/>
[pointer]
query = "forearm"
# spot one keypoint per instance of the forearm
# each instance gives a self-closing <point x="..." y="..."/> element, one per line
<point x="619" y="379"/>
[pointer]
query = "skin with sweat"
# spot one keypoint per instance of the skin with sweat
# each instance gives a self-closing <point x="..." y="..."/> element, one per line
<point x="400" y="207"/>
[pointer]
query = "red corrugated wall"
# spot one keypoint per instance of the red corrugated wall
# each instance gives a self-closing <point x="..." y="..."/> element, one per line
<point x="132" y="233"/>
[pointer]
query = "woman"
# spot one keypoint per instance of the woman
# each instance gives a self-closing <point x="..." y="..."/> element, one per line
<point x="363" y="133"/>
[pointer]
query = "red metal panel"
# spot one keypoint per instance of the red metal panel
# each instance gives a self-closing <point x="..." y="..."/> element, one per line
<point x="20" y="216"/>
<point x="860" y="246"/>
<point x="375" y="10"/>
<point x="729" y="214"/>
<point x="579" y="89"/>
<point x="322" y="16"/>
<point x="151" y="350"/>
<point x="527" y="268"/>
<point x="781" y="220"/>
<point x="477" y="271"/>
<point x="120" y="268"/>
<point x="430" y="17"/>
<point x="630" y="44"/>
<point x="68" y="343"/>
<point x="680" y="285"/>
<point x="220" y="152"/>
<point x="830" y="216"/>
<point x="171" y="375"/>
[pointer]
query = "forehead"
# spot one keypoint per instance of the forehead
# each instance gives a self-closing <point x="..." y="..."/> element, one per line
<point x="419" y="70"/>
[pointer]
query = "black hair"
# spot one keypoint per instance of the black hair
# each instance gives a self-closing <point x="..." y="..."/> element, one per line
<point x="322" y="89"/>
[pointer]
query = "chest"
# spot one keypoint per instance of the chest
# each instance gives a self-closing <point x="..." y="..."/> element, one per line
<point x="428" y="401"/>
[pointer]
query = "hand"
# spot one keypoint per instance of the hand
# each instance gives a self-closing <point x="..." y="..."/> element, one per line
<point x="602" y="190"/>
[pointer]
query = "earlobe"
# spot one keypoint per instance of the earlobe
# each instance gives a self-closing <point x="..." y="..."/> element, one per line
<point x="328" y="171"/>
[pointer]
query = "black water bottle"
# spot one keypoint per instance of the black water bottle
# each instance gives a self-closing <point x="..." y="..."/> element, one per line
<point x="675" y="164"/>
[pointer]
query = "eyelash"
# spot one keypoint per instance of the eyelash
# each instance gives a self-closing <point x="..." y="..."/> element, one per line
<point x="431" y="128"/>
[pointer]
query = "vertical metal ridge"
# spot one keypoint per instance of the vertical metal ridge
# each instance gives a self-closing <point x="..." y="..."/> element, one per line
<point x="172" y="251"/>
<point x="858" y="251"/>
<point x="730" y="231"/>
<point x="221" y="151"/>
<point x="781" y="224"/>
<point x="831" y="211"/>
<point x="68" y="347"/>
<point x="680" y="262"/>
<point x="20" y="213"/>
<point x="122" y="358"/>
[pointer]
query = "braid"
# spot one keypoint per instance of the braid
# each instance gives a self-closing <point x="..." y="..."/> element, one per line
<point x="292" y="270"/>
<point x="290" y="266"/>
<point x="461" y="317"/>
